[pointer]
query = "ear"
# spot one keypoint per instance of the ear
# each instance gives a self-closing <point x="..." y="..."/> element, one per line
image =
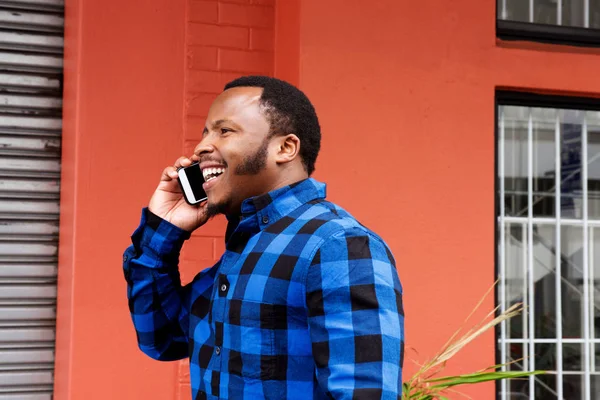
<point x="287" y="148"/>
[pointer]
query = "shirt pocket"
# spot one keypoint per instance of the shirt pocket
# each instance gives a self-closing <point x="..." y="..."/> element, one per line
<point x="253" y="352"/>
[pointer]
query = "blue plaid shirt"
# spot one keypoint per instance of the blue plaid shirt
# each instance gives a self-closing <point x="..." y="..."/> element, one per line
<point x="305" y="303"/>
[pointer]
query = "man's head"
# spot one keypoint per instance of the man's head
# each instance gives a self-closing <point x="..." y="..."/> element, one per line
<point x="261" y="133"/>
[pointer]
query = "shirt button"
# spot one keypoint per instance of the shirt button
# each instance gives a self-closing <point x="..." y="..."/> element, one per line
<point x="223" y="288"/>
<point x="124" y="258"/>
<point x="265" y="220"/>
<point x="218" y="350"/>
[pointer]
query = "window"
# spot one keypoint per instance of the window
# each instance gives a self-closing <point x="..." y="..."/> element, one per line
<point x="558" y="21"/>
<point x="548" y="210"/>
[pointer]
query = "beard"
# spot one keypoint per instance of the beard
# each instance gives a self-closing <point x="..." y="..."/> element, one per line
<point x="251" y="165"/>
<point x="213" y="210"/>
<point x="254" y="163"/>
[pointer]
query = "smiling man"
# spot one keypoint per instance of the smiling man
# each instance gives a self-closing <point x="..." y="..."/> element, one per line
<point x="305" y="303"/>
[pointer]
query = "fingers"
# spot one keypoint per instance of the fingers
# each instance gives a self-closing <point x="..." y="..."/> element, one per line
<point x="183" y="162"/>
<point x="170" y="172"/>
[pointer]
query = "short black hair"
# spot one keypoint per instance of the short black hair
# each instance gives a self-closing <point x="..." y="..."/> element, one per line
<point x="288" y="110"/>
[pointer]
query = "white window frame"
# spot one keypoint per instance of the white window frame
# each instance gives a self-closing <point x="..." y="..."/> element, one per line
<point x="588" y="340"/>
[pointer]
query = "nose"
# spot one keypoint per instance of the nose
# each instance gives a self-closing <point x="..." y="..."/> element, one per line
<point x="204" y="147"/>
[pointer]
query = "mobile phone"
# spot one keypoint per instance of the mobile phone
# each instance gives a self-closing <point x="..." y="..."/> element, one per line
<point x="191" y="180"/>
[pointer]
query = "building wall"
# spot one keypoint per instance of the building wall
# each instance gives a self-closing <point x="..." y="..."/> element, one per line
<point x="123" y="102"/>
<point x="405" y="95"/>
<point x="224" y="40"/>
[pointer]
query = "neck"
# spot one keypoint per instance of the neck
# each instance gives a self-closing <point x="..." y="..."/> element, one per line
<point x="287" y="178"/>
<point x="284" y="178"/>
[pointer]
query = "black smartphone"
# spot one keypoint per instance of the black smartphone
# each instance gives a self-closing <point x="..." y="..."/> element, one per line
<point x="191" y="180"/>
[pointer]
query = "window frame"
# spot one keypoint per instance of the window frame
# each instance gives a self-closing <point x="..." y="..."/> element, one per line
<point x="544" y="33"/>
<point x="506" y="97"/>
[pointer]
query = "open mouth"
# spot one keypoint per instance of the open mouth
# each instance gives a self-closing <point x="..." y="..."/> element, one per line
<point x="212" y="173"/>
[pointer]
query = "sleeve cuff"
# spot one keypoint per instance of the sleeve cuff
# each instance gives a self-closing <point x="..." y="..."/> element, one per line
<point x="156" y="236"/>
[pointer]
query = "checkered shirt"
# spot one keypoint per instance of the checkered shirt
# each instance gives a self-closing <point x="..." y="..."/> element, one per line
<point x="305" y="303"/>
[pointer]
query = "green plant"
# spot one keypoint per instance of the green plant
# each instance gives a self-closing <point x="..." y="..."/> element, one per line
<point x="426" y="384"/>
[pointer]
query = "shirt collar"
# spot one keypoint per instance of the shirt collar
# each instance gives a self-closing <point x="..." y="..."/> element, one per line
<point x="268" y="208"/>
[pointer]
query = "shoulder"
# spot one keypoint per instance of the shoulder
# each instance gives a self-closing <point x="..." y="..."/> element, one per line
<point x="334" y="227"/>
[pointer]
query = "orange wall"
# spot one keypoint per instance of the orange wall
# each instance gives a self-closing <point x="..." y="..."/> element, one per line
<point x="224" y="40"/>
<point x="124" y="64"/>
<point x="139" y="78"/>
<point x="405" y="95"/>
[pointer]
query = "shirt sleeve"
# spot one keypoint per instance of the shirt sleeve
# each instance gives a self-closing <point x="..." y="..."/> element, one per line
<point x="356" y="317"/>
<point x="157" y="302"/>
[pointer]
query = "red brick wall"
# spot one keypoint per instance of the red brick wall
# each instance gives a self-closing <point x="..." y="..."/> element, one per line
<point x="224" y="40"/>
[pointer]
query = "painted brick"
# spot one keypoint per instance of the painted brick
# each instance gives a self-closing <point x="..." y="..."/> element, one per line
<point x="245" y="15"/>
<point x="184" y="391"/>
<point x="226" y="77"/>
<point x="236" y="1"/>
<point x="198" y="248"/>
<point x="219" y="246"/>
<point x="198" y="104"/>
<point x="234" y="60"/>
<point x="200" y="57"/>
<point x="203" y="11"/>
<point x="220" y="36"/>
<point x="205" y="82"/>
<point x="192" y="127"/>
<point x="189" y="146"/>
<point x="184" y="371"/>
<point x="213" y="228"/>
<point x="189" y="269"/>
<point x="262" y="39"/>
<point x="263" y="2"/>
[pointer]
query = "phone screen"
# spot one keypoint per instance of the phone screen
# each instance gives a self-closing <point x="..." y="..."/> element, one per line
<point x="195" y="179"/>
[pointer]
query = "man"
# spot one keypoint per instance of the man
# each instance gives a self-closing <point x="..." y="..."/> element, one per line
<point x="305" y="303"/>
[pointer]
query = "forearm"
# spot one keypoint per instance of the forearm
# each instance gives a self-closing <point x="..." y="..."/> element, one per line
<point x="154" y="288"/>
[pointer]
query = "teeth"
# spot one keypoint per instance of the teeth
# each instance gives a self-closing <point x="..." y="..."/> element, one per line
<point x="211" y="173"/>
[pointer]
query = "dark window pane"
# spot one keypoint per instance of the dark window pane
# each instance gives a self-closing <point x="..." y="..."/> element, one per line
<point x="595" y="14"/>
<point x="545" y="387"/>
<point x="572" y="13"/>
<point x="573" y="386"/>
<point x="573" y="357"/>
<point x="572" y="281"/>
<point x="545" y="12"/>
<point x="516" y="10"/>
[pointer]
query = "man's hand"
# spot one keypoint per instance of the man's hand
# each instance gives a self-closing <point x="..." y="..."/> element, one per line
<point x="168" y="203"/>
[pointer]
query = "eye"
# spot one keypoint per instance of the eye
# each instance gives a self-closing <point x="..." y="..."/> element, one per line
<point x="225" y="130"/>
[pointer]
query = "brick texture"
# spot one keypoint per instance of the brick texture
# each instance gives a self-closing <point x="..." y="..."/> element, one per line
<point x="248" y="61"/>
<point x="203" y="11"/>
<point x="261" y="39"/>
<point x="218" y="36"/>
<point x="202" y="58"/>
<point x="225" y="39"/>
<point x="246" y="15"/>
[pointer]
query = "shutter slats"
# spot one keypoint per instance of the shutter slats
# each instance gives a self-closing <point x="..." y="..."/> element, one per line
<point x="27" y="357"/>
<point x="28" y="270"/>
<point x="28" y="228"/>
<point x="21" y="291"/>
<point x="31" y="42"/>
<point x="31" y="21"/>
<point x="17" y="378"/>
<point x="31" y="61"/>
<point x="15" y="82"/>
<point x="26" y="337"/>
<point x="29" y="313"/>
<point x="24" y="103"/>
<point x="26" y="396"/>
<point x="25" y="249"/>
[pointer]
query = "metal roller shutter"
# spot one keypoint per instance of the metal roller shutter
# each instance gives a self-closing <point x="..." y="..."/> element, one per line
<point x="31" y="59"/>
